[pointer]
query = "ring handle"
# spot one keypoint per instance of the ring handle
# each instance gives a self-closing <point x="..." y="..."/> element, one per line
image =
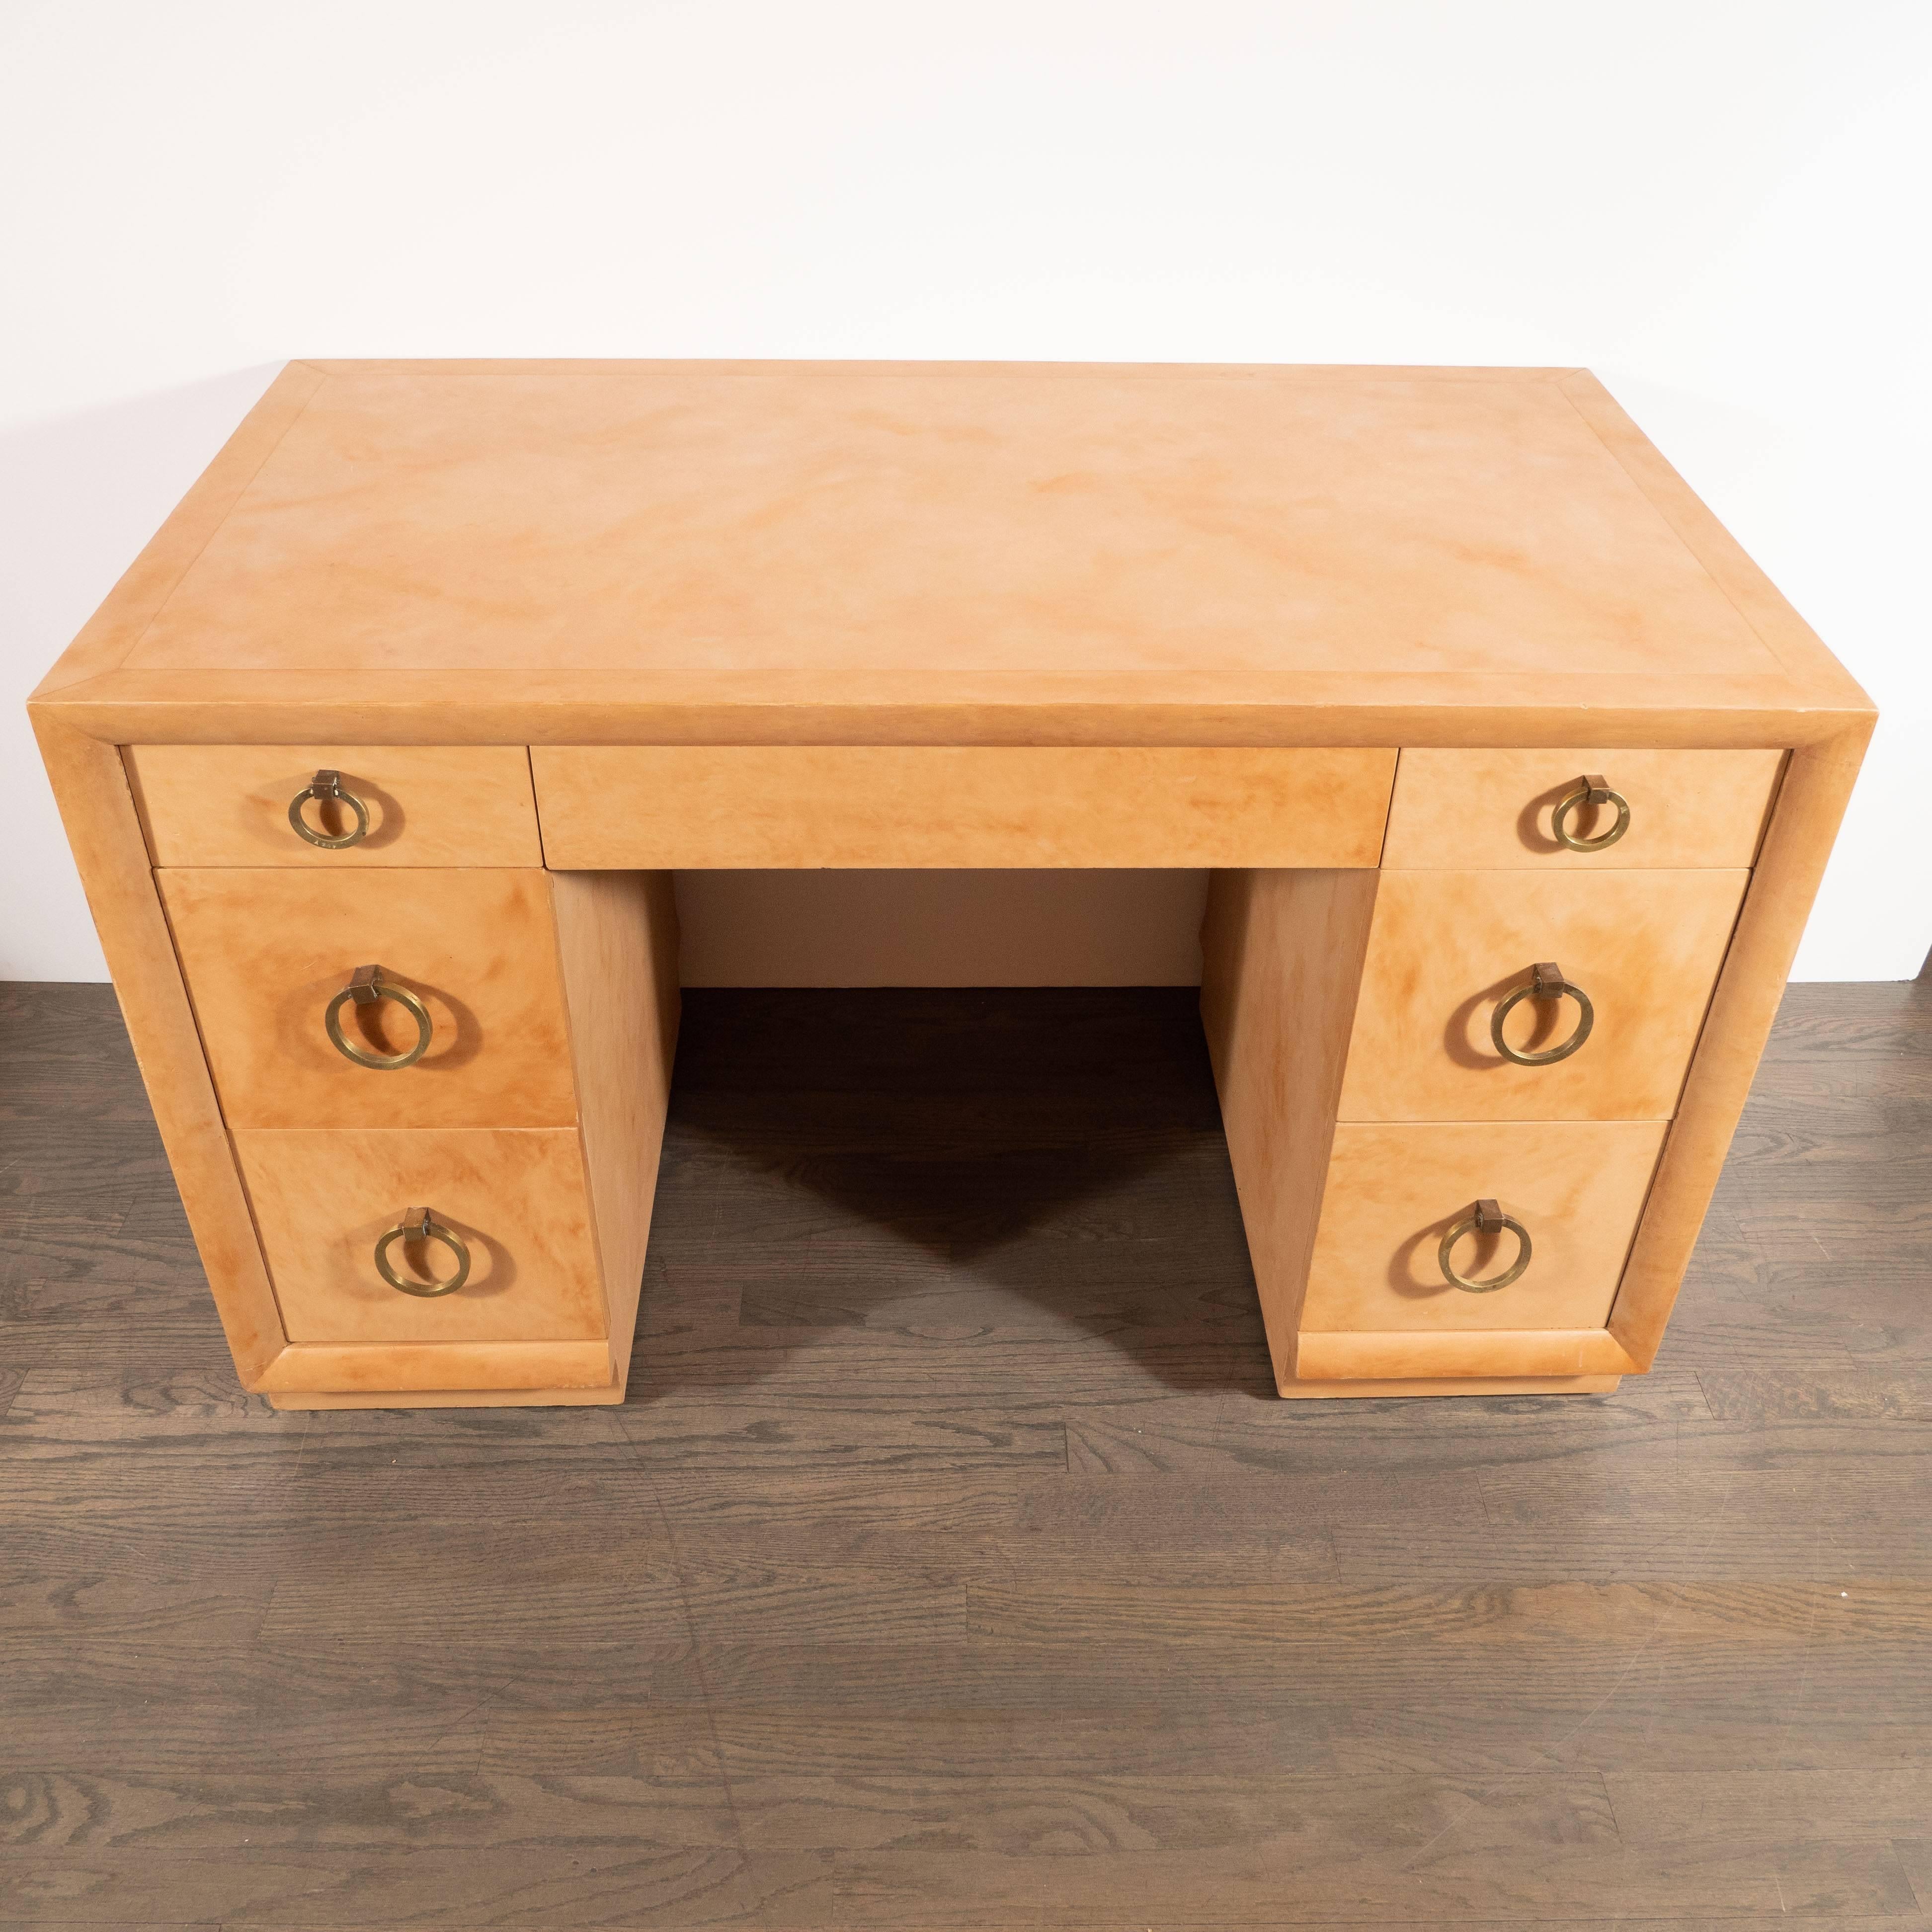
<point x="1484" y="1217"/>
<point x="1545" y="981"/>
<point x="417" y="1225"/>
<point x="367" y="987"/>
<point x="1592" y="788"/>
<point x="329" y="785"/>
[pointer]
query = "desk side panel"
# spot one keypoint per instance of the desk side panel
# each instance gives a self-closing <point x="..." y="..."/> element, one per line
<point x="1811" y="801"/>
<point x="616" y="936"/>
<point x="1282" y="954"/>
<point x="98" y="810"/>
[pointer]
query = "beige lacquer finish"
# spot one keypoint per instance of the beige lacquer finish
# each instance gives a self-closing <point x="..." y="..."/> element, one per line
<point x="323" y="1198"/>
<point x="1446" y="949"/>
<point x="617" y="938"/>
<point x="859" y="806"/>
<point x="1393" y="1191"/>
<point x="265" y="953"/>
<point x="1349" y="638"/>
<point x="427" y="805"/>
<point x="1281" y="956"/>
<point x="1476" y="810"/>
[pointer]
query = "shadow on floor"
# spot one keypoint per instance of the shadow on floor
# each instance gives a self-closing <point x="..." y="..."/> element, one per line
<point x="960" y="1167"/>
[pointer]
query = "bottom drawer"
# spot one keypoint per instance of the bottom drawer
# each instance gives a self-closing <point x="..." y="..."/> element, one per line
<point x="1394" y="1192"/>
<point x="516" y="1198"/>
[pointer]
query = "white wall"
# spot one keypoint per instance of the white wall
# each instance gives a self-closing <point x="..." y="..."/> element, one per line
<point x="1719" y="208"/>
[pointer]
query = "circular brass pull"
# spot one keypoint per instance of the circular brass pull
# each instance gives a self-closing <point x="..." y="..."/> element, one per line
<point x="1545" y="981"/>
<point x="417" y="1225"/>
<point x="365" y="990"/>
<point x="1592" y="788"/>
<point x="329" y="785"/>
<point x="1484" y="1217"/>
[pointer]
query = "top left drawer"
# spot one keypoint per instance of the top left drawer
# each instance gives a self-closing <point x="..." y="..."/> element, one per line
<point x="424" y="805"/>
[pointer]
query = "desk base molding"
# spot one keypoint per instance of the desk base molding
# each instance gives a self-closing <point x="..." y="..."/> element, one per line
<point x="1459" y="1354"/>
<point x="1466" y="1385"/>
<point x="609" y="1396"/>
<point x="505" y="1369"/>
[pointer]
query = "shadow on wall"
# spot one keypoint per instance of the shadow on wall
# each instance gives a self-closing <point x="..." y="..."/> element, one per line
<point x="80" y="496"/>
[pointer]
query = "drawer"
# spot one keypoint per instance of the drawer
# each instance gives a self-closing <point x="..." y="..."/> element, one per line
<point x="784" y="806"/>
<point x="1446" y="949"/>
<point x="427" y="805"/>
<point x="265" y="952"/>
<point x="1393" y="1192"/>
<point x="1471" y="810"/>
<point x="323" y="1200"/>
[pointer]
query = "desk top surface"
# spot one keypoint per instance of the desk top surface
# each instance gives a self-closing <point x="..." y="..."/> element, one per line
<point x="956" y="553"/>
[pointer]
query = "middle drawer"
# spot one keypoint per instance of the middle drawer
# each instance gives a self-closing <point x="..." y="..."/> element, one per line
<point x="265" y="953"/>
<point x="1639" y="950"/>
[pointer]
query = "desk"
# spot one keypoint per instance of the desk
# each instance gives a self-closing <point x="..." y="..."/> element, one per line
<point x="1515" y="775"/>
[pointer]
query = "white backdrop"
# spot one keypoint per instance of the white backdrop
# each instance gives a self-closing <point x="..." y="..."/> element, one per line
<point x="1720" y="208"/>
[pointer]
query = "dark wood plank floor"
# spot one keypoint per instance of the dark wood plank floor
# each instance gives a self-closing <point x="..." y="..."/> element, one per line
<point x="951" y="1563"/>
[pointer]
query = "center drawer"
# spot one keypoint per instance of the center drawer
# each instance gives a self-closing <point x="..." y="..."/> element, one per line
<point x="469" y="957"/>
<point x="702" y="806"/>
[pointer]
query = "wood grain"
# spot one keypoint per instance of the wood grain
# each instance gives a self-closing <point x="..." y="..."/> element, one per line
<point x="98" y="814"/>
<point x="361" y="1372"/>
<point x="1581" y="1355"/>
<point x="1818" y="781"/>
<point x="1282" y="956"/>
<point x="749" y="515"/>
<point x="1474" y="810"/>
<point x="616" y="939"/>
<point x="265" y="951"/>
<point x="887" y="805"/>
<point x="1393" y="1191"/>
<point x="428" y="805"/>
<point x="323" y="1197"/>
<point x="1048" y="1615"/>
<point x="721" y="553"/>
<point x="1446" y="947"/>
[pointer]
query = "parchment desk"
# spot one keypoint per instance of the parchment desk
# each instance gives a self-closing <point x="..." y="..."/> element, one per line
<point x="1515" y="775"/>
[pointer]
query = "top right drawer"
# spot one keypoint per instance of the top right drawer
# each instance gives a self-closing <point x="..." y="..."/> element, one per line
<point x="1476" y="809"/>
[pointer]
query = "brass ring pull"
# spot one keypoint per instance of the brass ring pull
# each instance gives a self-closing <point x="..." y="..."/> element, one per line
<point x="1545" y="981"/>
<point x="1484" y="1218"/>
<point x="329" y="785"/>
<point x="1592" y="788"/>
<point x="365" y="989"/>
<point x="417" y="1225"/>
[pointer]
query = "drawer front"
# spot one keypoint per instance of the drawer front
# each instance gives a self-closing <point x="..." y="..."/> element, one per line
<point x="1446" y="948"/>
<point x="1473" y="810"/>
<point x="265" y="952"/>
<point x="427" y="805"/>
<point x="1393" y="1192"/>
<point x="323" y="1200"/>
<point x="704" y="806"/>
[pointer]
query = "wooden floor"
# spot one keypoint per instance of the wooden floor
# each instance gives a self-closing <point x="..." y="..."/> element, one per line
<point x="951" y="1564"/>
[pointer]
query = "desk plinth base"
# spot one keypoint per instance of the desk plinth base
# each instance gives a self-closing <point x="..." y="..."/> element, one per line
<point x="1469" y="1385"/>
<point x="609" y="1396"/>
